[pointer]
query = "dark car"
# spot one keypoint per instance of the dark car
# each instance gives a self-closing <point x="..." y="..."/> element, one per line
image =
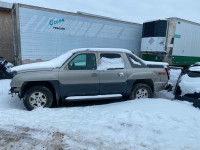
<point x="188" y="85"/>
<point x="1" y="59"/>
<point x="4" y="69"/>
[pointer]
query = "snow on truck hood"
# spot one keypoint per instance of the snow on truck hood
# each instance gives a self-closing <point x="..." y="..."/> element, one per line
<point x="59" y="61"/>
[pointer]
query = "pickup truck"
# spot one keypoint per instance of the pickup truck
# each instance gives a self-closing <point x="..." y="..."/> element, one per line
<point x="88" y="71"/>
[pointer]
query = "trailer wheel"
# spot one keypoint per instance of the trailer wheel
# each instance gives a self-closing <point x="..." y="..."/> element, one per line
<point x="38" y="96"/>
<point x="141" y="90"/>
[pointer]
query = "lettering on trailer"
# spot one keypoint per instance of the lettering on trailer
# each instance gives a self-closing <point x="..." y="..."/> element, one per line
<point x="59" y="28"/>
<point x="53" y="22"/>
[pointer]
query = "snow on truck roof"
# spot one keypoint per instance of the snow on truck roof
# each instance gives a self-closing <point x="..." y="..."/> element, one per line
<point x="60" y="60"/>
<point x="195" y="68"/>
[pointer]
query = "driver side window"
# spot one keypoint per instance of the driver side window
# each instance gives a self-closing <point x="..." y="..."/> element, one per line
<point x="83" y="62"/>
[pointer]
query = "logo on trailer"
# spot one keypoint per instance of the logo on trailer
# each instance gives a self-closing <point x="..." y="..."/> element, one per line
<point x="57" y="21"/>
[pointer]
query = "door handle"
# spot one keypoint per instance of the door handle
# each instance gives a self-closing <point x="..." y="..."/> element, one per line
<point x="121" y="74"/>
<point x="94" y="74"/>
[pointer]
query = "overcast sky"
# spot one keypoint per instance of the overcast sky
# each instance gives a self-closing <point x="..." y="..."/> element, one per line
<point x="129" y="10"/>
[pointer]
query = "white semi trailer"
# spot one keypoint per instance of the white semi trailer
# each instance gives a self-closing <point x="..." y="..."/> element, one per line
<point x="172" y="40"/>
<point x="41" y="34"/>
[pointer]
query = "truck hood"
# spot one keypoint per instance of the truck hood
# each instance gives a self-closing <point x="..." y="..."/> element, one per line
<point x="51" y="64"/>
<point x="47" y="65"/>
<point x="32" y="70"/>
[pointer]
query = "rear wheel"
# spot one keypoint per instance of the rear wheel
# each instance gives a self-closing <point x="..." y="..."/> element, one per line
<point x="141" y="90"/>
<point x="38" y="96"/>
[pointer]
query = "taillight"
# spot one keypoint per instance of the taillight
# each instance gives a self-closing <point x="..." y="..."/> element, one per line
<point x="162" y="73"/>
<point x="167" y="69"/>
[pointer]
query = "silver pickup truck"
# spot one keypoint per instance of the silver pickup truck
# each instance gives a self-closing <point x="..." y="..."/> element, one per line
<point x="89" y="71"/>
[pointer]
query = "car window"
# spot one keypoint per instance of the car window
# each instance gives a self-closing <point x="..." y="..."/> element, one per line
<point x="110" y="62"/>
<point x="83" y="62"/>
<point x="193" y="74"/>
<point x="135" y="62"/>
<point x="110" y="55"/>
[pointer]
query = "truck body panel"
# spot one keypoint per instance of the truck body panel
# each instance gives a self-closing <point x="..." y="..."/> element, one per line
<point x="42" y="34"/>
<point x="182" y="44"/>
<point x="186" y="49"/>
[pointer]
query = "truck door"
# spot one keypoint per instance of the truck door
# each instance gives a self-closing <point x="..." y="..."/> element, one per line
<point x="113" y="74"/>
<point x="79" y="75"/>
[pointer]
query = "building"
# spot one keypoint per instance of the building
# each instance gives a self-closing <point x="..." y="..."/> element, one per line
<point x="6" y="32"/>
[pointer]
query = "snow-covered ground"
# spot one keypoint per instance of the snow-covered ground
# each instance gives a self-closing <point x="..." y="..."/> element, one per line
<point x="159" y="123"/>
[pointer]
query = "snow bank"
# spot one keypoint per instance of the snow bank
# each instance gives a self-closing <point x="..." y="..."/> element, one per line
<point x="6" y="100"/>
<point x="189" y="85"/>
<point x="137" y="124"/>
<point x="152" y="123"/>
<point x="59" y="61"/>
<point x="110" y="63"/>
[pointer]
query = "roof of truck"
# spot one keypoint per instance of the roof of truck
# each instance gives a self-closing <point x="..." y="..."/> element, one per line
<point x="60" y="60"/>
<point x="103" y="49"/>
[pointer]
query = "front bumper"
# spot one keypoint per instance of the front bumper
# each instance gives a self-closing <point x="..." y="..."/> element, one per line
<point x="14" y="90"/>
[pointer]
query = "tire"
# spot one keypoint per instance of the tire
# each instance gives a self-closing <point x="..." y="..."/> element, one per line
<point x="38" y="96"/>
<point x="141" y="90"/>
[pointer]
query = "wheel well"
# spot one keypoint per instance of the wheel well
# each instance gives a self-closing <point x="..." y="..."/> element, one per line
<point x="47" y="84"/>
<point x="149" y="82"/>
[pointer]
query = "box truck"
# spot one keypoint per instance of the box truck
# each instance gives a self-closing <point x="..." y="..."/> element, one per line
<point x="173" y="40"/>
<point x="41" y="34"/>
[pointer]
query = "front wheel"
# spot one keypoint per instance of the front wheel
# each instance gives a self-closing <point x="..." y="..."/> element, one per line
<point x="141" y="90"/>
<point x="38" y="96"/>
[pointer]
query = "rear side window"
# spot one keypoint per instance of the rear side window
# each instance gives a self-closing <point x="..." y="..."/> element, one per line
<point x="110" y="56"/>
<point x="134" y="62"/>
<point x="83" y="62"/>
<point x="110" y="62"/>
<point x="193" y="74"/>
